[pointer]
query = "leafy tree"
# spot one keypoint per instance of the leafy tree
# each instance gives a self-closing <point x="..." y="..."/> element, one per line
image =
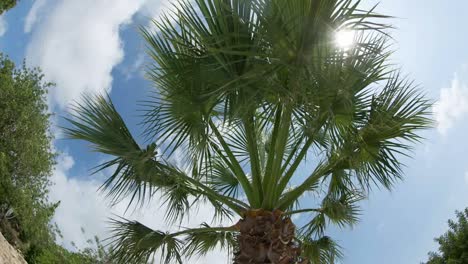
<point x="95" y="253"/>
<point x="26" y="158"/>
<point x="245" y="92"/>
<point x="6" y="4"/>
<point x="26" y="161"/>
<point x="453" y="245"/>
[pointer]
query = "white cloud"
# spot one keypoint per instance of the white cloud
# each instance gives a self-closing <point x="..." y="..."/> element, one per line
<point x="153" y="8"/>
<point x="34" y="14"/>
<point x="466" y="177"/>
<point x="82" y="206"/>
<point x="136" y="67"/>
<point x="77" y="45"/>
<point x="3" y="25"/>
<point x="452" y="105"/>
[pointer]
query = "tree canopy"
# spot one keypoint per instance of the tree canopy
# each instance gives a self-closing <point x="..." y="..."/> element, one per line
<point x="26" y="163"/>
<point x="453" y="245"/>
<point x="6" y="4"/>
<point x="26" y="159"/>
<point x="247" y="91"/>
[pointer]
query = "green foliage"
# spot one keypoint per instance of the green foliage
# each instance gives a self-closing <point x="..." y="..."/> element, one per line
<point x="26" y="159"/>
<point x="95" y="253"/>
<point x="137" y="243"/>
<point x="7" y="4"/>
<point x="453" y="245"/>
<point x="208" y="239"/>
<point x="322" y="250"/>
<point x="245" y="92"/>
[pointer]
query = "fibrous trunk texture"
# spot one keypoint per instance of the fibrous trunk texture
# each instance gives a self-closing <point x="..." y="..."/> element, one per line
<point x="266" y="237"/>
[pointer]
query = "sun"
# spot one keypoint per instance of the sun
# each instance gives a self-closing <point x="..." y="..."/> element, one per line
<point x="344" y="38"/>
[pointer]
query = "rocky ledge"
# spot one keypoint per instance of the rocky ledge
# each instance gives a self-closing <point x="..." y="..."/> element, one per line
<point x="8" y="254"/>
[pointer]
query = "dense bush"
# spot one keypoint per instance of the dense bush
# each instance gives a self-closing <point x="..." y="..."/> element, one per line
<point x="26" y="162"/>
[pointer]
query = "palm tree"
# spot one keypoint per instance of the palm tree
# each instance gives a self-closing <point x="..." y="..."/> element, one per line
<point x="263" y="108"/>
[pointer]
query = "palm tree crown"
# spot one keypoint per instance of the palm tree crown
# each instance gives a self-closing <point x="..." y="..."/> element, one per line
<point x="247" y="90"/>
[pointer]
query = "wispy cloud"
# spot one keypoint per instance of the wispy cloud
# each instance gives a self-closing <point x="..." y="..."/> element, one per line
<point x="452" y="105"/>
<point x="34" y="14"/>
<point x="136" y="67"/>
<point x="3" y="25"/>
<point x="153" y="8"/>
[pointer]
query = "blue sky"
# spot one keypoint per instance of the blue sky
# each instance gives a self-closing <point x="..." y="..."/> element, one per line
<point x="93" y="45"/>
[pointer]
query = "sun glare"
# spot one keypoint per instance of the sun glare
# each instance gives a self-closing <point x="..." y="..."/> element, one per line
<point x="344" y="39"/>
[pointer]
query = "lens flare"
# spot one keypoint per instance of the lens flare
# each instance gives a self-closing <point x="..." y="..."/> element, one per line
<point x="344" y="39"/>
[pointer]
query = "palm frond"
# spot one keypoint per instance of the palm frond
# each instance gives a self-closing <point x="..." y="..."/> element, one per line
<point x="207" y="239"/>
<point x="338" y="208"/>
<point x="223" y="180"/>
<point x="316" y="226"/>
<point x="320" y="251"/>
<point x="137" y="172"/>
<point x="375" y="147"/>
<point x="370" y="147"/>
<point x="96" y="120"/>
<point x="343" y="210"/>
<point x="133" y="242"/>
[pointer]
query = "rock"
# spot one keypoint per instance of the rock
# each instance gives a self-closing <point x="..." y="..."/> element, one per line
<point x="8" y="254"/>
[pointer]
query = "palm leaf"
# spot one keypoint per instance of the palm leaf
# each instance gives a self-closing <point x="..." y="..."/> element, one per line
<point x="137" y="172"/>
<point x="369" y="147"/>
<point x="321" y="251"/>
<point x="207" y="239"/>
<point x="133" y="242"/>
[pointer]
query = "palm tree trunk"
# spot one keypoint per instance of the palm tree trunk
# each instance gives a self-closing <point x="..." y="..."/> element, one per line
<point x="266" y="237"/>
